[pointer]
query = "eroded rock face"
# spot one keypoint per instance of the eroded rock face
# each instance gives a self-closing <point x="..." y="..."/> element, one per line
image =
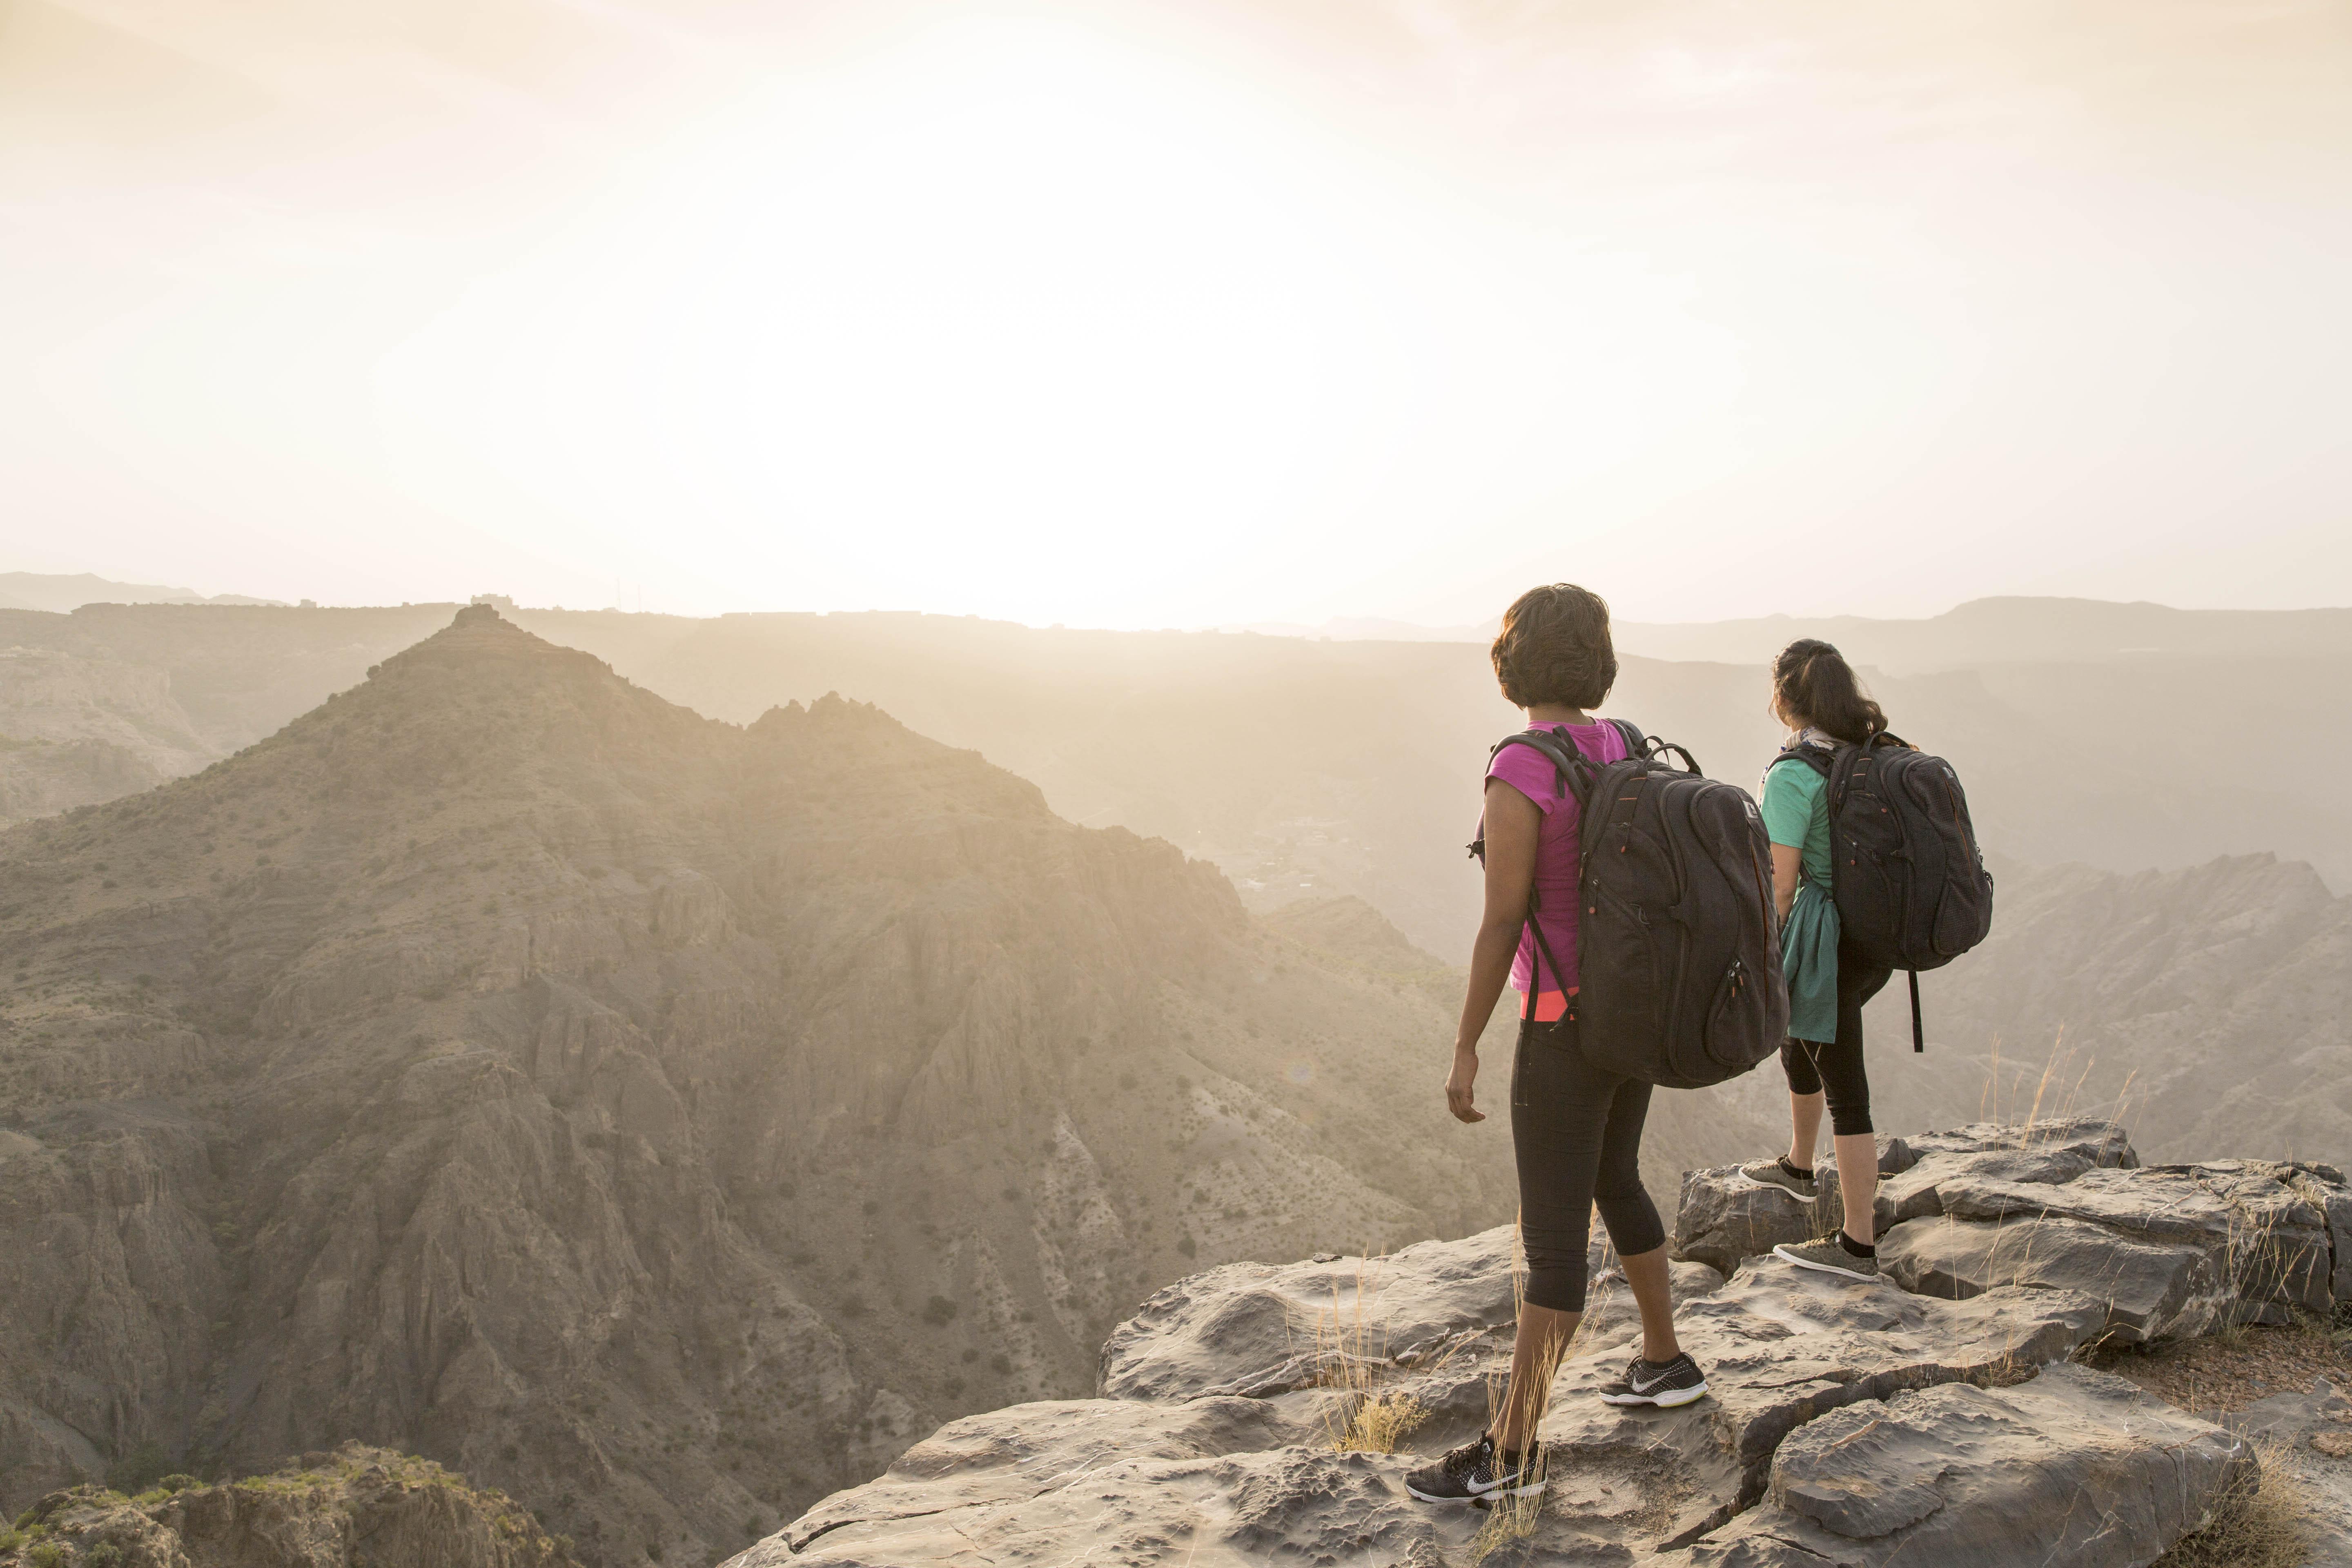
<point x="2075" y="1467"/>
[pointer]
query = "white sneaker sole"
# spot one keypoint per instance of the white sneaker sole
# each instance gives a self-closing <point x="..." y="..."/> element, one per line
<point x="1779" y="1187"/>
<point x="1528" y="1490"/>
<point x="1664" y="1399"/>
<point x="1785" y="1256"/>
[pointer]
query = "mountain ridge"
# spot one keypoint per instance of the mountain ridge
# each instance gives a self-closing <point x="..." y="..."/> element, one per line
<point x="501" y="1049"/>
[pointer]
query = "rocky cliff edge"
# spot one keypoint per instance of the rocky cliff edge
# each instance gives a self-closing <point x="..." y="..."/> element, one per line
<point x="1943" y="1415"/>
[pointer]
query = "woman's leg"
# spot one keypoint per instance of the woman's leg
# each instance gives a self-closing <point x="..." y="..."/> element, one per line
<point x="1846" y="1086"/>
<point x="1562" y="1117"/>
<point x="1635" y="1228"/>
<point x="1804" y="1102"/>
<point x="1535" y="1353"/>
<point x="1652" y="1289"/>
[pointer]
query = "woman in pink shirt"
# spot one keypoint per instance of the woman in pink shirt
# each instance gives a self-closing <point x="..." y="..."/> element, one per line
<point x="1575" y="1129"/>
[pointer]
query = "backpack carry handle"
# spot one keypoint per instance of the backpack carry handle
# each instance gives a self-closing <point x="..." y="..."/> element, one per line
<point x="1658" y="750"/>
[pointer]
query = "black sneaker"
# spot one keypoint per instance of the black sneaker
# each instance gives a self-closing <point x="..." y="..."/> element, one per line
<point x="1474" y="1470"/>
<point x="1666" y="1385"/>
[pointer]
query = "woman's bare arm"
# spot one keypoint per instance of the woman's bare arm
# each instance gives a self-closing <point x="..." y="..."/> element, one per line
<point x="1786" y="859"/>
<point x="1512" y="822"/>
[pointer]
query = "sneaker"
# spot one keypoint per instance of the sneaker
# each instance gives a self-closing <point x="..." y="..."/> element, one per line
<point x="1829" y="1255"/>
<point x="1474" y="1470"/>
<point x="1773" y="1173"/>
<point x="1663" y="1384"/>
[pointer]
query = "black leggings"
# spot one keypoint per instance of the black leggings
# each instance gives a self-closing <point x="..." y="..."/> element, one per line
<point x="1836" y="1068"/>
<point x="1577" y="1131"/>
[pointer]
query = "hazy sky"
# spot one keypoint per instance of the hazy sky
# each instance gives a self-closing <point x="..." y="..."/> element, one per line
<point x="1129" y="314"/>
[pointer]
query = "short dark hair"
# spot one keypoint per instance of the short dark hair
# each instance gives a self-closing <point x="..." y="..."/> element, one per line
<point x="1554" y="648"/>
<point x="1815" y="684"/>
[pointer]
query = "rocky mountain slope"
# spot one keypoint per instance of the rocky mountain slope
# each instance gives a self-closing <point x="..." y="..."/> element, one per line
<point x="663" y="1121"/>
<point x="1919" y="1419"/>
<point x="113" y="697"/>
<point x="355" y="1508"/>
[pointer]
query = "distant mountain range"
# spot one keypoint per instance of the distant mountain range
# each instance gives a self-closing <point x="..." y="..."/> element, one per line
<point x="1303" y="768"/>
<point x="1983" y="631"/>
<point x="59" y="594"/>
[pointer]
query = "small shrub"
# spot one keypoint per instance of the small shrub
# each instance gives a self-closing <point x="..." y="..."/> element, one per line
<point x="654" y="1550"/>
<point x="105" y="1554"/>
<point x="140" y="1469"/>
<point x="939" y="1310"/>
<point x="2264" y="1522"/>
<point x="1000" y="1364"/>
<point x="1185" y="1245"/>
<point x="48" y="1554"/>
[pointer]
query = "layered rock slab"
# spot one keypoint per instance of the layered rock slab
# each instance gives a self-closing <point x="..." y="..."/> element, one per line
<point x="2174" y="1251"/>
<point x="1255" y="1329"/>
<point x="1782" y="1346"/>
<point x="2075" y="1467"/>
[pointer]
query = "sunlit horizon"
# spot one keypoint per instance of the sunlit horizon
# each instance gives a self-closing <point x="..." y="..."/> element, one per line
<point x="1135" y="316"/>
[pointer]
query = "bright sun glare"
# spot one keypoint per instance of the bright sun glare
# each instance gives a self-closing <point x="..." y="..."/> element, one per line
<point x="1015" y="317"/>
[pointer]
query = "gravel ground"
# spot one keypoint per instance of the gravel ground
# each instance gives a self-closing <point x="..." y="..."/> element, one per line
<point x="2229" y="1372"/>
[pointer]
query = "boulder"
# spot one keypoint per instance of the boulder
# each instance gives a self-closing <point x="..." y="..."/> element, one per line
<point x="1725" y="1218"/>
<point x="2102" y="1141"/>
<point x="2075" y="1467"/>
<point x="2145" y="1290"/>
<point x="2281" y="1252"/>
<point x="1253" y="1328"/>
<point x="1917" y="1193"/>
<point x="2324" y="1187"/>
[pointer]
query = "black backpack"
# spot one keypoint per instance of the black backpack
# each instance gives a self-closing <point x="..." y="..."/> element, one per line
<point x="1680" y="978"/>
<point x="1908" y="879"/>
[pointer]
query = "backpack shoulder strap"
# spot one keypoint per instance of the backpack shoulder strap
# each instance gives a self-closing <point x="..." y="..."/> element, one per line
<point x="1813" y="757"/>
<point x="1569" y="770"/>
<point x="1568" y="764"/>
<point x="1635" y="742"/>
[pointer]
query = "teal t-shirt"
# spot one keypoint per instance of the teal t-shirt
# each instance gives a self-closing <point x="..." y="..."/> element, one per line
<point x="1796" y="807"/>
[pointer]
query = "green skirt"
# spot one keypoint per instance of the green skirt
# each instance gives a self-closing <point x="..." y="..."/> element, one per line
<point x="1809" y="944"/>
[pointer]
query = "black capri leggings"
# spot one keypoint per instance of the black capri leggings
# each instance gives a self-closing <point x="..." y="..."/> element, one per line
<point x="1577" y="1131"/>
<point x="1836" y="1069"/>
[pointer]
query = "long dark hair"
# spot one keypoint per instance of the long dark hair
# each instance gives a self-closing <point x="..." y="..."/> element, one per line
<point x="1813" y="682"/>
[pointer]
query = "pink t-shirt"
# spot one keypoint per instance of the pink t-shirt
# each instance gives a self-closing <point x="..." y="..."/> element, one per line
<point x="1558" y="858"/>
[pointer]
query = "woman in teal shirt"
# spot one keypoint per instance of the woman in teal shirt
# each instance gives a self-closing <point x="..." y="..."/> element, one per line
<point x="1815" y="694"/>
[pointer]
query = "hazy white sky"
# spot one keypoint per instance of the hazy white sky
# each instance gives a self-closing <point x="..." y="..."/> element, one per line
<point x="1132" y="314"/>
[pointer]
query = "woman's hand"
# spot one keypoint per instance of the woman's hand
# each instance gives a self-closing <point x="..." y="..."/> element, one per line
<point x="1458" y="1082"/>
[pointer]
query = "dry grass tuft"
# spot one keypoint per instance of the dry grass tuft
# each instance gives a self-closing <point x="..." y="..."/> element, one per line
<point x="1380" y="1422"/>
<point x="1352" y="1357"/>
<point x="2264" y="1522"/>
